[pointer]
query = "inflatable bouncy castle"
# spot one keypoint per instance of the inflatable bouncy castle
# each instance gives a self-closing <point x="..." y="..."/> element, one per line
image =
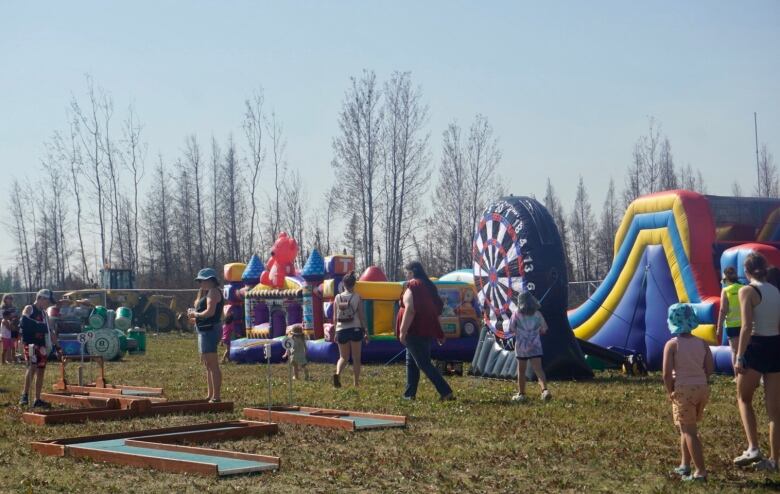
<point x="307" y="298"/>
<point x="672" y="247"/>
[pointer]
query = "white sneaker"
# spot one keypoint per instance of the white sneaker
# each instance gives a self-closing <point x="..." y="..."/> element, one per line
<point x="519" y="398"/>
<point x="747" y="457"/>
<point x="546" y="395"/>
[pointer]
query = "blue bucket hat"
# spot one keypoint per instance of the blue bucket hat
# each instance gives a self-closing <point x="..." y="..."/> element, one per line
<point x="206" y="274"/>
<point x="681" y="319"/>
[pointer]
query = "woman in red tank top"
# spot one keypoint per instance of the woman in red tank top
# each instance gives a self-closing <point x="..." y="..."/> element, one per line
<point x="417" y="325"/>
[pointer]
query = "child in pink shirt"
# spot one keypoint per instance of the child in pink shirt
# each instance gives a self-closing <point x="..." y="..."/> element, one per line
<point x="687" y="364"/>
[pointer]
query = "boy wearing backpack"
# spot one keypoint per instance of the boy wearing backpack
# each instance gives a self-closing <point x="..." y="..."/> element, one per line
<point x="350" y="328"/>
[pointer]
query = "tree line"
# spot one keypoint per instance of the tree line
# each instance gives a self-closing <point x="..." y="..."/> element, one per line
<point x="101" y="200"/>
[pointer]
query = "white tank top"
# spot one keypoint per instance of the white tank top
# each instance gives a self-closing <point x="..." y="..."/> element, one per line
<point x="766" y="315"/>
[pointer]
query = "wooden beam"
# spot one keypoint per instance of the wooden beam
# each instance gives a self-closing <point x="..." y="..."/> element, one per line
<point x="299" y="418"/>
<point x="139" y="408"/>
<point x="80" y="401"/>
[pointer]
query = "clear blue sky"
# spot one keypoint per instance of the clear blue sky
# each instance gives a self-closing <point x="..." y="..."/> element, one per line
<point x="568" y="87"/>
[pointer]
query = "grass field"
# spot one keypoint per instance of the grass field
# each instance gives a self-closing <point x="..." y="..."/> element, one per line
<point x="612" y="434"/>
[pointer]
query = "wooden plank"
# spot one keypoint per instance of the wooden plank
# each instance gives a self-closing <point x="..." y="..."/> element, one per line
<point x="203" y="451"/>
<point x="197" y="406"/>
<point x="151" y="432"/>
<point x="241" y="431"/>
<point x="74" y="416"/>
<point x="127" y="401"/>
<point x="48" y="448"/>
<point x="393" y="418"/>
<point x="163" y="464"/>
<point x="80" y="401"/>
<point x="299" y="418"/>
<point x="112" y="389"/>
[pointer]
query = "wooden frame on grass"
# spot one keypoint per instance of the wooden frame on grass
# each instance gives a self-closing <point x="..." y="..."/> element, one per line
<point x="166" y="440"/>
<point x="112" y="411"/>
<point x="324" y="417"/>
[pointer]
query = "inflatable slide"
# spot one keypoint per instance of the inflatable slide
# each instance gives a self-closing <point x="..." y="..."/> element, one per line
<point x="672" y="247"/>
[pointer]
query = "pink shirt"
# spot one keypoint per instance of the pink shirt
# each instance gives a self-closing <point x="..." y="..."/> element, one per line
<point x="689" y="361"/>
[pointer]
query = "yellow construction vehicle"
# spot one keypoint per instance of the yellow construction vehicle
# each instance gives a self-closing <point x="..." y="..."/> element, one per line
<point x="154" y="311"/>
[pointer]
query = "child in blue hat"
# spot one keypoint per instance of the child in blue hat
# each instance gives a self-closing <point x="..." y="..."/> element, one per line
<point x="687" y="364"/>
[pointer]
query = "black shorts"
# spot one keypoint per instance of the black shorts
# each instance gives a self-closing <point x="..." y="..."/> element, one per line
<point x="518" y="357"/>
<point x="733" y="332"/>
<point x="763" y="354"/>
<point x="344" y="336"/>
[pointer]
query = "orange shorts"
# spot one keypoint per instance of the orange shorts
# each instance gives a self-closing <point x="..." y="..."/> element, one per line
<point x="688" y="403"/>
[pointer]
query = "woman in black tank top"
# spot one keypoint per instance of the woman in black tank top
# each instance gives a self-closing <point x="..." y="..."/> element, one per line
<point x="207" y="319"/>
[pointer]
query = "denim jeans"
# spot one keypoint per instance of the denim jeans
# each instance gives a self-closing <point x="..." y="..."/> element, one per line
<point x="418" y="358"/>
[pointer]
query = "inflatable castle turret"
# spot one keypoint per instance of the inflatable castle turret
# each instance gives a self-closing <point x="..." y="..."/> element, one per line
<point x="233" y="292"/>
<point x="314" y="274"/>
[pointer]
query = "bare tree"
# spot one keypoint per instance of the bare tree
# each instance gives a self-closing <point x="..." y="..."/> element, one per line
<point x="356" y="150"/>
<point x="55" y="210"/>
<point x="112" y="172"/>
<point x="279" y="165"/>
<point x="553" y="205"/>
<point x="90" y="134"/>
<point x="216" y="199"/>
<point x="232" y="201"/>
<point x="70" y="148"/>
<point x="193" y="160"/>
<point x="405" y="165"/>
<point x="253" y="129"/>
<point x="736" y="189"/>
<point x="20" y="229"/>
<point x="294" y="211"/>
<point x="605" y="236"/>
<point x="767" y="175"/>
<point x="135" y="155"/>
<point x="667" y="173"/>
<point x="450" y="193"/>
<point x="582" y="233"/>
<point x="482" y="158"/>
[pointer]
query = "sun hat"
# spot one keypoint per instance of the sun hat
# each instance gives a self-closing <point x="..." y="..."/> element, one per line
<point x="681" y="319"/>
<point x="526" y="300"/>
<point x="46" y="293"/>
<point x="206" y="274"/>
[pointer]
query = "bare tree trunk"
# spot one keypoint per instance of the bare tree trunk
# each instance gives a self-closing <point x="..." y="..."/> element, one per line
<point x="253" y="128"/>
<point x="92" y="146"/>
<point x="278" y="147"/>
<point x="135" y="163"/>
<point x="192" y="154"/>
<point x="451" y="191"/>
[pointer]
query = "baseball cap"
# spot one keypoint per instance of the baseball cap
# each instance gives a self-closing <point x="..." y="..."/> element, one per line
<point x="206" y="274"/>
<point x="46" y="293"/>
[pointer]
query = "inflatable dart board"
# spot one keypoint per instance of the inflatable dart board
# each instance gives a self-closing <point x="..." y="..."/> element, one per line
<point x="517" y="247"/>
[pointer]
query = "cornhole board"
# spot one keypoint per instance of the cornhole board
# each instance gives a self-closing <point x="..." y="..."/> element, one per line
<point x="100" y="384"/>
<point x="160" y="449"/>
<point x="324" y="417"/>
<point x="112" y="411"/>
